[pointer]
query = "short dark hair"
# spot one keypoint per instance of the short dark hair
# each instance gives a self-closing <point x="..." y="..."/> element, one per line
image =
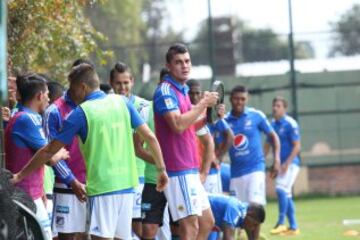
<point x="28" y="85"/>
<point x="84" y="73"/>
<point x="193" y="83"/>
<point x="106" y="88"/>
<point x="280" y="99"/>
<point x="56" y="90"/>
<point x="177" y="48"/>
<point x="119" y="67"/>
<point x="257" y="212"/>
<point x="163" y="72"/>
<point x="238" y="88"/>
<point x="79" y="61"/>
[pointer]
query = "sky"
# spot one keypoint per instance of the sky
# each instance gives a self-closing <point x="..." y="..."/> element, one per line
<point x="309" y="16"/>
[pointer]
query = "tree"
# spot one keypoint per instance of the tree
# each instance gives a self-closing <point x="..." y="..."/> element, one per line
<point x="252" y="45"/>
<point x="121" y="22"/>
<point x="347" y="28"/>
<point x="46" y="36"/>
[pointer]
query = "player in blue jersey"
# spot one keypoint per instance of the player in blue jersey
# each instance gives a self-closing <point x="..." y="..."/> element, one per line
<point x="247" y="159"/>
<point x="222" y="137"/>
<point x="230" y="213"/>
<point x="288" y="131"/>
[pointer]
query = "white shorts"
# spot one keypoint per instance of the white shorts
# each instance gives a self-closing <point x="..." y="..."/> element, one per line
<point x="212" y="183"/>
<point x="43" y="217"/>
<point x="249" y="188"/>
<point x="287" y="180"/>
<point x="186" y="196"/>
<point x="111" y="215"/>
<point x="69" y="214"/>
<point x="137" y="201"/>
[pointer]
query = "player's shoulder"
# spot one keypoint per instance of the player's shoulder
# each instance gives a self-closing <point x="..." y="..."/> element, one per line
<point x="51" y="110"/>
<point x="291" y="121"/>
<point x="256" y="112"/>
<point x="164" y="89"/>
<point x="27" y="119"/>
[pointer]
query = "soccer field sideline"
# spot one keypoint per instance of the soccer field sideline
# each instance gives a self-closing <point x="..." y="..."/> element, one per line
<point x="318" y="218"/>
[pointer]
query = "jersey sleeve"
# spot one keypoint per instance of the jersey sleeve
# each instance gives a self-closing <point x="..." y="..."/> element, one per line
<point x="222" y="125"/>
<point x="74" y="125"/>
<point x="165" y="100"/>
<point x="28" y="133"/>
<point x="264" y="124"/>
<point x="136" y="119"/>
<point x="295" y="132"/>
<point x="202" y="131"/>
<point x="52" y="123"/>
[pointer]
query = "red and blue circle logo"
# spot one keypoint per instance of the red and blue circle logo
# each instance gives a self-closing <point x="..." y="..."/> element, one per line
<point x="241" y="142"/>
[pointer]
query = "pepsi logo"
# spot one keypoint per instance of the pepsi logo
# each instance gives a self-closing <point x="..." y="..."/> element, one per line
<point x="241" y="142"/>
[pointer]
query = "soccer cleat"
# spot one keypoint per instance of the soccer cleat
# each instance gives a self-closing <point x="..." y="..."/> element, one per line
<point x="278" y="229"/>
<point x="290" y="232"/>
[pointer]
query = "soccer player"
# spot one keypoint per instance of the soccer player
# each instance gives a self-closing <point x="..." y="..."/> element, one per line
<point x="207" y="150"/>
<point x="104" y="124"/>
<point x="174" y="118"/>
<point x="122" y="81"/>
<point x="154" y="208"/>
<point x="247" y="159"/>
<point x="69" y="217"/>
<point x="288" y="131"/>
<point x="24" y="136"/>
<point x="230" y="213"/>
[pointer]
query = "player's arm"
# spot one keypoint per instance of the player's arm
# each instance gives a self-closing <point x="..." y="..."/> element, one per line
<point x="267" y="148"/>
<point x="273" y="138"/>
<point x="295" y="137"/>
<point x="208" y="156"/>
<point x="180" y="122"/>
<point x="137" y="123"/>
<point x="140" y="151"/>
<point x="228" y="137"/>
<point x="276" y="153"/>
<point x="53" y="151"/>
<point x="52" y="124"/>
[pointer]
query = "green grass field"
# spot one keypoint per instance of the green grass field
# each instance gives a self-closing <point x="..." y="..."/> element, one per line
<point x="318" y="218"/>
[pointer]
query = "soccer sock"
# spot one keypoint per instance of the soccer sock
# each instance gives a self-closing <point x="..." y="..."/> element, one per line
<point x="213" y="235"/>
<point x="291" y="213"/>
<point x="283" y="205"/>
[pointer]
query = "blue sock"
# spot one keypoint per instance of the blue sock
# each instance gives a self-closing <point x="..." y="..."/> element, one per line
<point x="283" y="205"/>
<point x="291" y="213"/>
<point x="213" y="235"/>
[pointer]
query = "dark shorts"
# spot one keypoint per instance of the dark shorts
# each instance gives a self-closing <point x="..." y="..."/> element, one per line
<point x="153" y="204"/>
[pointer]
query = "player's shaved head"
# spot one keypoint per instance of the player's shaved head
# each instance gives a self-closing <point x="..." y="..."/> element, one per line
<point x="84" y="73"/>
<point x="257" y="212"/>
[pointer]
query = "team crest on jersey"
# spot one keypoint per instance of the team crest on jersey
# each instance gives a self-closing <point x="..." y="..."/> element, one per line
<point x="241" y="142"/>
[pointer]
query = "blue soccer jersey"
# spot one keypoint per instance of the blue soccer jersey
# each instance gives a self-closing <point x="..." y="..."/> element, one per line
<point x="288" y="131"/>
<point x="246" y="153"/>
<point x="225" y="176"/>
<point x="217" y="129"/>
<point x="228" y="211"/>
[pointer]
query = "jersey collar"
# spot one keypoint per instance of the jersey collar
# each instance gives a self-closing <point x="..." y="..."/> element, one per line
<point x="95" y="95"/>
<point x="131" y="99"/>
<point x="183" y="88"/>
<point x="246" y="112"/>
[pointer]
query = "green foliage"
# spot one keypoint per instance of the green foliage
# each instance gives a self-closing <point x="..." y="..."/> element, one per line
<point x="48" y="35"/>
<point x="347" y="41"/>
<point x="252" y="45"/>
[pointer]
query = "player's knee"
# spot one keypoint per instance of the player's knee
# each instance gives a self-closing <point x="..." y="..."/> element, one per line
<point x="149" y="231"/>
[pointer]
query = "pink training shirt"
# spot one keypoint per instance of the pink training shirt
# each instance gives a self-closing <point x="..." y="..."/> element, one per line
<point x="179" y="149"/>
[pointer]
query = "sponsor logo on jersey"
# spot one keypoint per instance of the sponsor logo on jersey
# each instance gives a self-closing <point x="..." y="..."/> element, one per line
<point x="241" y="142"/>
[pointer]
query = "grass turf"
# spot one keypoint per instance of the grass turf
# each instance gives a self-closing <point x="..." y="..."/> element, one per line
<point x="318" y="218"/>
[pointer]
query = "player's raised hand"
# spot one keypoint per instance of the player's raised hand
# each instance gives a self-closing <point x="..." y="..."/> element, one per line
<point x="79" y="190"/>
<point x="162" y="181"/>
<point x="5" y="114"/>
<point x="210" y="98"/>
<point x="221" y="110"/>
